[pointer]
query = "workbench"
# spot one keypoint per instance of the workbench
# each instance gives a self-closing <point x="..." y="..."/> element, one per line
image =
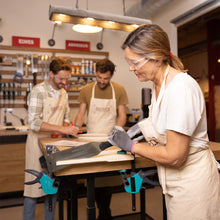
<point x="90" y="171"/>
<point x="13" y="134"/>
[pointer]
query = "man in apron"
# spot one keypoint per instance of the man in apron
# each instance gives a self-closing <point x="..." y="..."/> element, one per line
<point x="48" y="113"/>
<point x="105" y="103"/>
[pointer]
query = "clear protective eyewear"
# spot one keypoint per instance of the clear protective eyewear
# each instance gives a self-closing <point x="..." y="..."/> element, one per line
<point x="61" y="79"/>
<point x="136" y="63"/>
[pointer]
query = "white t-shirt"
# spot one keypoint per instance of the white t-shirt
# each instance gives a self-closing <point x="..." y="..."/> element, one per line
<point x="181" y="109"/>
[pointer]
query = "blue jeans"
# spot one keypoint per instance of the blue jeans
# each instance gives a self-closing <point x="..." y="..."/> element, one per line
<point x="30" y="206"/>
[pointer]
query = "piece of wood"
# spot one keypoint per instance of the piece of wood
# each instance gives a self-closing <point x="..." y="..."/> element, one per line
<point x="108" y="155"/>
<point x="96" y="167"/>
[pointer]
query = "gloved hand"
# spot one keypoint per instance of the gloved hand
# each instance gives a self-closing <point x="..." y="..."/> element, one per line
<point x="112" y="132"/>
<point x="122" y="140"/>
<point x="114" y="129"/>
<point x="135" y="133"/>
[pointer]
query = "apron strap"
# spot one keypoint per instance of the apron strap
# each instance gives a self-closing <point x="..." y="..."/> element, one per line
<point x="61" y="93"/>
<point x="93" y="91"/>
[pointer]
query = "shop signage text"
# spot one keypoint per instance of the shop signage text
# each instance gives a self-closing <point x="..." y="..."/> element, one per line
<point x="25" y="41"/>
<point x="77" y="45"/>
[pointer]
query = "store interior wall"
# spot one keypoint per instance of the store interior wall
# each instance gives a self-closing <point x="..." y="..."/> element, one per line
<point x="30" y="18"/>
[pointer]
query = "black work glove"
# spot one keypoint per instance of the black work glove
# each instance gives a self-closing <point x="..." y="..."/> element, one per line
<point x="121" y="139"/>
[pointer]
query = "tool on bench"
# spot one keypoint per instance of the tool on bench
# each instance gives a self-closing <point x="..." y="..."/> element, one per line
<point x="79" y="132"/>
<point x="51" y="148"/>
<point x="83" y="151"/>
<point x="134" y="184"/>
<point x="48" y="184"/>
<point x="139" y="179"/>
<point x="77" y="152"/>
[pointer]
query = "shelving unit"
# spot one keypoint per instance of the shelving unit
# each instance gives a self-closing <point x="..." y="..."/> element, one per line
<point x="18" y="91"/>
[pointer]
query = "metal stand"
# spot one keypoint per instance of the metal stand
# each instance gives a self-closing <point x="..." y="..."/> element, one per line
<point x="91" y="210"/>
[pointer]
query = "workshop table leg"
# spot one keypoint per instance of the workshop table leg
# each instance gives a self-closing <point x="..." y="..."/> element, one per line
<point x="142" y="201"/>
<point x="74" y="205"/>
<point x="91" y="210"/>
<point x="60" y="207"/>
<point x="69" y="209"/>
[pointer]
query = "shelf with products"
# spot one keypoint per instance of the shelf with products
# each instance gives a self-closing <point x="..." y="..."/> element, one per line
<point x="14" y="89"/>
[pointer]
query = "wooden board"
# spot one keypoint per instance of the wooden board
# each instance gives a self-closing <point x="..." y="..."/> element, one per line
<point x="104" y="166"/>
<point x="109" y="155"/>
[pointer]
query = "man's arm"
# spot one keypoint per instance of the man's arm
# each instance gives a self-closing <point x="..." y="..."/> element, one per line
<point x="121" y="120"/>
<point x="70" y="130"/>
<point x="80" y="116"/>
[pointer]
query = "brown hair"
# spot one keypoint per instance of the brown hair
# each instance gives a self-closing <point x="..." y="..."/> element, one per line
<point x="58" y="64"/>
<point x="105" y="65"/>
<point x="152" y="42"/>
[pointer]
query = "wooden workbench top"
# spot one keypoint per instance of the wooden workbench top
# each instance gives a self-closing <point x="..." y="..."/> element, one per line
<point x="96" y="167"/>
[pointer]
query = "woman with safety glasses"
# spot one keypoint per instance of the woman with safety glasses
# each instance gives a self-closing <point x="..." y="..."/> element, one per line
<point x="176" y="129"/>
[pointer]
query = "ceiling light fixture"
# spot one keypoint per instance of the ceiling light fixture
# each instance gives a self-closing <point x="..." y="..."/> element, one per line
<point x="57" y="22"/>
<point x="100" y="19"/>
<point x="86" y="28"/>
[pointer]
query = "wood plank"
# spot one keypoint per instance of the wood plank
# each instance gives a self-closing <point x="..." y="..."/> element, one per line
<point x="95" y="167"/>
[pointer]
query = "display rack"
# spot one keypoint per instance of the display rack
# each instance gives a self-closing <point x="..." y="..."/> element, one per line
<point x="13" y="93"/>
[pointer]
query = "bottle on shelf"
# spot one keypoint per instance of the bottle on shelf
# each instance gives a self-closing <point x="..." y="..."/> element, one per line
<point x="77" y="71"/>
<point x="94" y="67"/>
<point x="90" y="67"/>
<point x="83" y="67"/>
<point x="73" y="69"/>
<point x="87" y="67"/>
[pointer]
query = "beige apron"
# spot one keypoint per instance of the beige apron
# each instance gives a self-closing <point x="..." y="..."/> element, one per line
<point x="193" y="190"/>
<point x="101" y="119"/>
<point x="102" y="114"/>
<point x="53" y="113"/>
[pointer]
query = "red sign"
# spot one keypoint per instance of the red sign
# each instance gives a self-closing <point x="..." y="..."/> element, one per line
<point x="25" y="41"/>
<point x="77" y="45"/>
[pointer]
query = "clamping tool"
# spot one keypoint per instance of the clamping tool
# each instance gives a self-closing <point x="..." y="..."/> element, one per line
<point x="48" y="184"/>
<point x="51" y="148"/>
<point x="137" y="179"/>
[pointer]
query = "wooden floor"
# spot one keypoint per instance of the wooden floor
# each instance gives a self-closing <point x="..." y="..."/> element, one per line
<point x="120" y="205"/>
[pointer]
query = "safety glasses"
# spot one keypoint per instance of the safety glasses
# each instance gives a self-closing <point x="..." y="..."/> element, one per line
<point x="137" y="64"/>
